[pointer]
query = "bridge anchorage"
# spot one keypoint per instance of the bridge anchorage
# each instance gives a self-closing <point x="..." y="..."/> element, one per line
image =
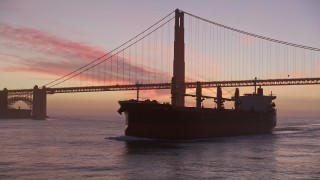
<point x="34" y="98"/>
<point x="203" y="50"/>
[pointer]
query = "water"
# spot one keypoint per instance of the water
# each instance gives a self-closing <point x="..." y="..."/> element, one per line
<point x="95" y="148"/>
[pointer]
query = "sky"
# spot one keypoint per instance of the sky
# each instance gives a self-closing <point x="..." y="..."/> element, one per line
<point x="40" y="40"/>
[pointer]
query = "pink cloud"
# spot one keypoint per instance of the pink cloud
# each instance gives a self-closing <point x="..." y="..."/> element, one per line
<point x="48" y="43"/>
<point x="66" y="56"/>
<point x="40" y="68"/>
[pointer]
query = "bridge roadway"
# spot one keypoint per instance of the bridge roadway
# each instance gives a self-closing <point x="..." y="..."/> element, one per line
<point x="239" y="83"/>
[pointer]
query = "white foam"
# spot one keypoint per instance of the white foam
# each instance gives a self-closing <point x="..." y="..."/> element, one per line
<point x="128" y="138"/>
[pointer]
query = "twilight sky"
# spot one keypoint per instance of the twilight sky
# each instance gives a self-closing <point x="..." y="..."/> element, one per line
<point x="41" y="39"/>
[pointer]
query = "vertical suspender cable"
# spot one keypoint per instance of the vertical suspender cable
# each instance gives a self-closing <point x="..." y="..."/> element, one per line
<point x="129" y="64"/>
<point x="123" y="67"/>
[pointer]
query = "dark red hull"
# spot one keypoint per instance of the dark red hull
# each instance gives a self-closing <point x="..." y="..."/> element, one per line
<point x="162" y="121"/>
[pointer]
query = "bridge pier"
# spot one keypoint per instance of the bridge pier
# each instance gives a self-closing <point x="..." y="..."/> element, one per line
<point x="219" y="100"/>
<point x="198" y="95"/>
<point x="3" y="101"/>
<point x="39" y="111"/>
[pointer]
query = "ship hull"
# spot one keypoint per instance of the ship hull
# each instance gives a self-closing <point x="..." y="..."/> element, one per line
<point x="162" y="121"/>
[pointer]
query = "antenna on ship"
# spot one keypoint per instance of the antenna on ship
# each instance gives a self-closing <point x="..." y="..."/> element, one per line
<point x="138" y="88"/>
<point x="255" y="85"/>
<point x="236" y="99"/>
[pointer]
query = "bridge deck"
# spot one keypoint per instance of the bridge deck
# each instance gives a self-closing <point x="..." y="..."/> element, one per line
<point x="239" y="83"/>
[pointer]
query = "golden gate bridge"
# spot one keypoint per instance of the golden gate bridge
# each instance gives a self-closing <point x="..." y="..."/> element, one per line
<point x="200" y="49"/>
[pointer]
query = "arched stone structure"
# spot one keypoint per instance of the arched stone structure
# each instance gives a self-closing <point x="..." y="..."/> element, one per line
<point x="15" y="99"/>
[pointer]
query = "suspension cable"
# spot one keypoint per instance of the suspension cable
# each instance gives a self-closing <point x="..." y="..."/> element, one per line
<point x="97" y="59"/>
<point x="254" y="35"/>
<point x="111" y="55"/>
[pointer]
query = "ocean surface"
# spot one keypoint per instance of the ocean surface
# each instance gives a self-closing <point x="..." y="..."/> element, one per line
<point x="95" y="148"/>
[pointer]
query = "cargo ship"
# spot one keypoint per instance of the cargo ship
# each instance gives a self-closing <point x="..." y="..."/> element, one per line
<point x="252" y="114"/>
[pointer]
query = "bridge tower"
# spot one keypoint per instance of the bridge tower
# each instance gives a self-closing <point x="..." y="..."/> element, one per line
<point x="39" y="111"/>
<point x="4" y="100"/>
<point x="178" y="61"/>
